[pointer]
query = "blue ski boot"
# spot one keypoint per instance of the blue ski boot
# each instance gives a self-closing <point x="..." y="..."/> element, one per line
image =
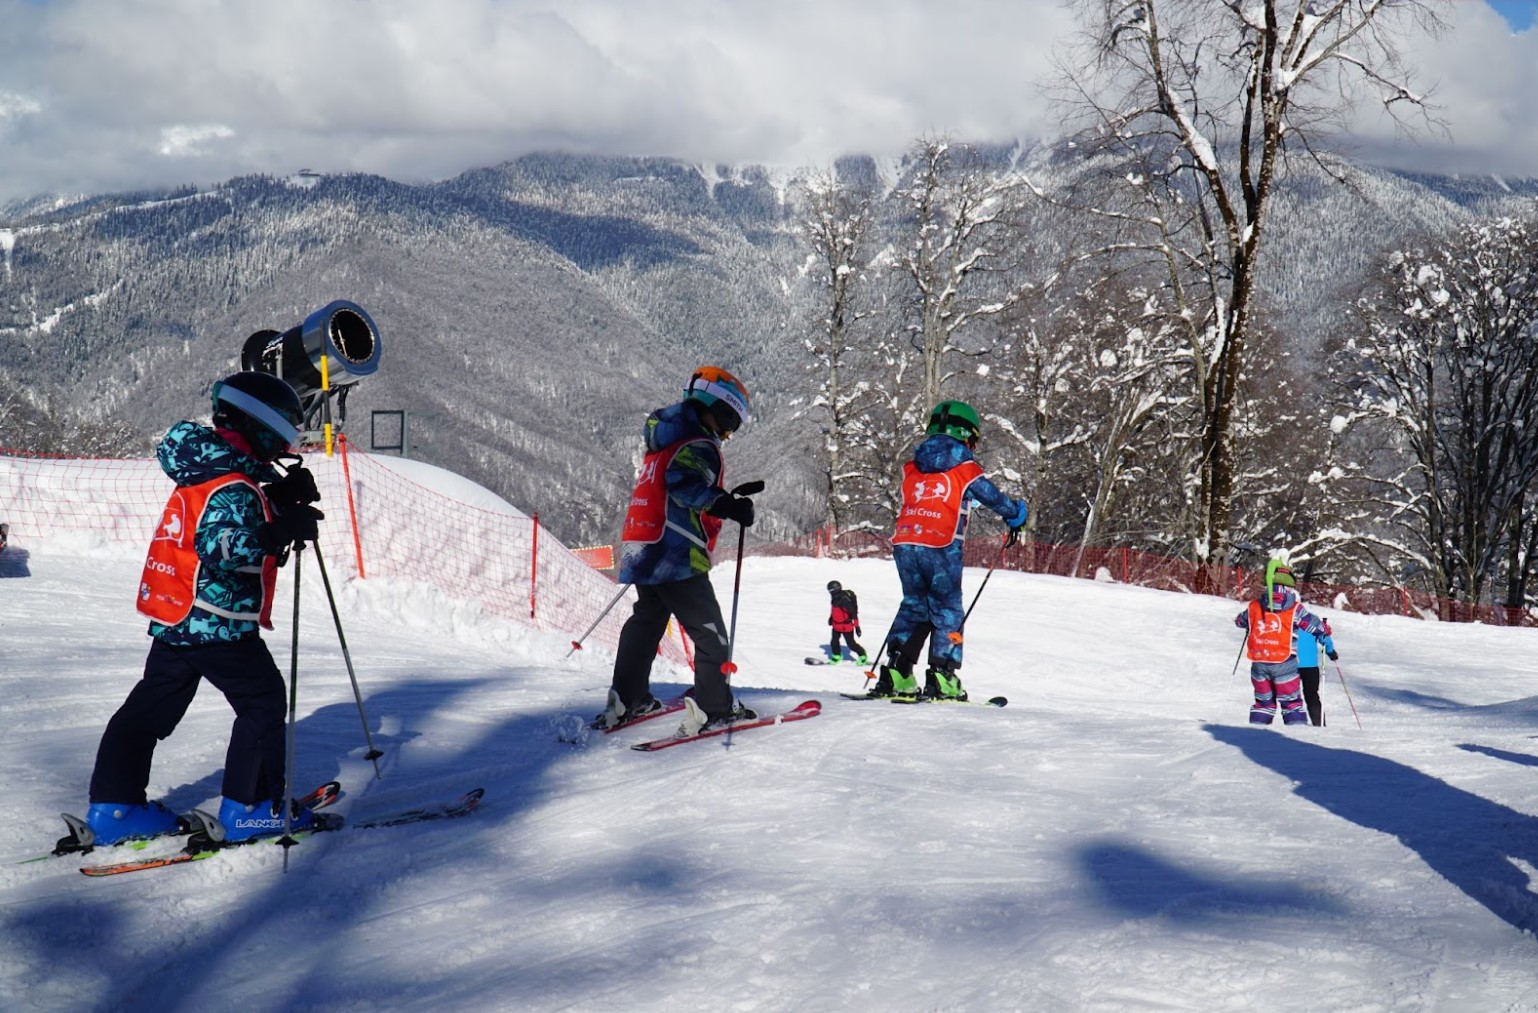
<point x="245" y="820"/>
<point x="113" y="822"/>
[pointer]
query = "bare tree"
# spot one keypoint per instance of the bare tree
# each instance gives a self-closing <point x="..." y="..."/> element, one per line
<point x="1192" y="106"/>
<point x="955" y="232"/>
<point x="838" y="221"/>
<point x="1093" y="378"/>
<point x="1447" y="367"/>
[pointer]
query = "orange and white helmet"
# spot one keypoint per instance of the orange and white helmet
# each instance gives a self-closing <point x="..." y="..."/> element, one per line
<point x="723" y="393"/>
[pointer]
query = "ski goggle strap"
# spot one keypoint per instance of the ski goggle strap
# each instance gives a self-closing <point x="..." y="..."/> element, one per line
<point x="723" y="391"/>
<point x="264" y="413"/>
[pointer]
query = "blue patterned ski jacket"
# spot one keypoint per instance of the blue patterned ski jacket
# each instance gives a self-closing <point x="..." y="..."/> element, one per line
<point x="693" y="484"/>
<point x="226" y="536"/>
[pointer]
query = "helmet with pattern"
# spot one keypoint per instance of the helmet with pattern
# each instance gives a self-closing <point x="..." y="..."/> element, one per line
<point x="721" y="392"/>
<point x="954" y="418"/>
<point x="261" y="408"/>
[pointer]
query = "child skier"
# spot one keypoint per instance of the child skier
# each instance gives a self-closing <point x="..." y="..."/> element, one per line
<point x="1271" y="622"/>
<point x="207" y="589"/>
<point x="939" y="487"/>
<point x="676" y="511"/>
<point x="1308" y="669"/>
<point x="844" y="617"/>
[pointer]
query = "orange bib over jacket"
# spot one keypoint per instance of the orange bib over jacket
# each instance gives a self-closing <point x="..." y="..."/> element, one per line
<point x="1270" y="638"/>
<point x="168" y="587"/>
<point x="646" y="519"/>
<point x="933" y="504"/>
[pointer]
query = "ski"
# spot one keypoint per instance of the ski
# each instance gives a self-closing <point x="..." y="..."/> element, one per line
<point x="829" y="661"/>
<point x="325" y="822"/>
<point x="806" y="709"/>
<point x="82" y="842"/>
<point x="671" y="706"/>
<point x="993" y="701"/>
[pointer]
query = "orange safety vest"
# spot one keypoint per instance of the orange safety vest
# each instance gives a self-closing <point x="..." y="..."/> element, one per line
<point x="647" y="516"/>
<point x="1270" y="638"/>
<point x="934" y="509"/>
<point x="168" y="586"/>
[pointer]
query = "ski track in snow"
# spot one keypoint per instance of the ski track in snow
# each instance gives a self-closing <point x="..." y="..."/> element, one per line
<point x="1117" y="838"/>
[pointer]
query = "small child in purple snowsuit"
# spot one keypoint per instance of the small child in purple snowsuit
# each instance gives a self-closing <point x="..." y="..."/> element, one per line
<point x="1272" y="622"/>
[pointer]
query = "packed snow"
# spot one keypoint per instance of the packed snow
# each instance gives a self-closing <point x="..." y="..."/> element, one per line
<point x="1117" y="838"/>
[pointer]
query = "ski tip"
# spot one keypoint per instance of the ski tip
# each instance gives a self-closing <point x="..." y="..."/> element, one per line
<point x="998" y="701"/>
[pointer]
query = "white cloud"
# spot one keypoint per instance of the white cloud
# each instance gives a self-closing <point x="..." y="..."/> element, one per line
<point x="184" y="141"/>
<point x="421" y="90"/>
<point x="1482" y="78"/>
<point x="14" y="107"/>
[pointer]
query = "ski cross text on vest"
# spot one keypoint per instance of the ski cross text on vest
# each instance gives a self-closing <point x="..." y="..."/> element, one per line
<point x="934" y="507"/>
<point x="647" y="517"/>
<point x="168" y="586"/>
<point x="1270" y="638"/>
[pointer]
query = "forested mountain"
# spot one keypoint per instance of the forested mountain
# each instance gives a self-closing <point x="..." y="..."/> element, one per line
<point x="531" y="313"/>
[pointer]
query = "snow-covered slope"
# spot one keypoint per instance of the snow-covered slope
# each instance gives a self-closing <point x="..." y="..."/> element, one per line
<point x="1118" y="838"/>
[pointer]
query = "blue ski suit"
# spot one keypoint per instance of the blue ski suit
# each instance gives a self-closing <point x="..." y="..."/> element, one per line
<point x="931" y="576"/>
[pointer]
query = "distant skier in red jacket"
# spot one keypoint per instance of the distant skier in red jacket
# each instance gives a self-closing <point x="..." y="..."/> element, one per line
<point x="844" y="617"/>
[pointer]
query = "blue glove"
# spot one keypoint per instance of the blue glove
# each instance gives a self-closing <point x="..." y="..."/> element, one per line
<point x="1017" y="523"/>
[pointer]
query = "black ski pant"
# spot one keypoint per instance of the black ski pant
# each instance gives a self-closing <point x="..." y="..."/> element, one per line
<point x="693" y="603"/>
<point x="244" y="672"/>
<point x="1310" y="677"/>
<point x="833" y="651"/>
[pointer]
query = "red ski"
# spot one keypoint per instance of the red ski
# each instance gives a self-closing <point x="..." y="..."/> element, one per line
<point x="671" y="706"/>
<point x="807" y="709"/>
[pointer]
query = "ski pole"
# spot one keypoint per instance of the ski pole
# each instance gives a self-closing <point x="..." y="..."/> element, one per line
<point x="1242" y="645"/>
<point x="373" y="753"/>
<point x="287" y="840"/>
<point x="1348" y="694"/>
<point x="870" y="673"/>
<point x="955" y="637"/>
<point x="576" y="645"/>
<point x="729" y="667"/>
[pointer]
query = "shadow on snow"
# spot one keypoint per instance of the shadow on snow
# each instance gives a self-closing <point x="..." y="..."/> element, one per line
<point x="509" y="757"/>
<point x="1470" y="841"/>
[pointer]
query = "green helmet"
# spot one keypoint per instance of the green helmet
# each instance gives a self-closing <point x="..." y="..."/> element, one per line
<point x="954" y="418"/>
<point x="1278" y="572"/>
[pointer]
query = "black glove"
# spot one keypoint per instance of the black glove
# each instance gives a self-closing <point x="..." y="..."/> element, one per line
<point x="1013" y="537"/>
<point x="859" y="632"/>
<point x="830" y="620"/>
<point x="1333" y="656"/>
<point x="733" y="508"/>
<point x="295" y="524"/>
<point x="296" y="488"/>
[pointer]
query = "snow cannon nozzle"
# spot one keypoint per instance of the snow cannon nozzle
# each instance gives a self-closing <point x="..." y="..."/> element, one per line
<point x="328" y="352"/>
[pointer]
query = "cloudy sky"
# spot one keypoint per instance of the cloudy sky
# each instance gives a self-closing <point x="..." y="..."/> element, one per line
<point x="98" y="95"/>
